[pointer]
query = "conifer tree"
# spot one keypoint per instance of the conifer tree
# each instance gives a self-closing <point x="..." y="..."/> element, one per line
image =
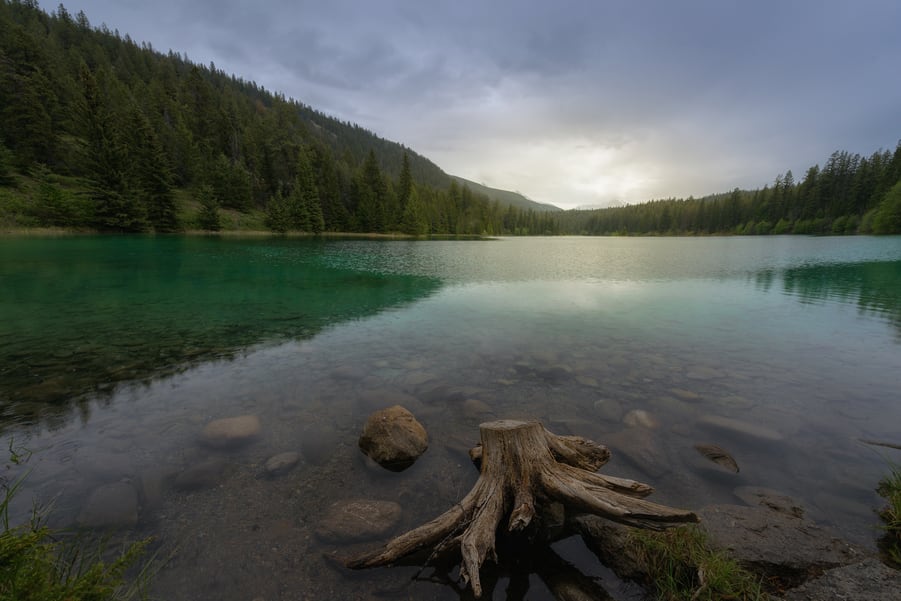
<point x="151" y="174"/>
<point x="278" y="213"/>
<point x="6" y="166"/>
<point x="115" y="209"/>
<point x="305" y="185"/>
<point x="414" y="222"/>
<point x="208" y="218"/>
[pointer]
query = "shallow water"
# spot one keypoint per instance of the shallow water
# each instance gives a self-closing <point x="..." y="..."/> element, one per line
<point x="117" y="351"/>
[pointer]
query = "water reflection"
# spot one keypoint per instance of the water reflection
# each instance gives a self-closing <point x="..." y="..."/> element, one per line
<point x="80" y="315"/>
<point x="874" y="287"/>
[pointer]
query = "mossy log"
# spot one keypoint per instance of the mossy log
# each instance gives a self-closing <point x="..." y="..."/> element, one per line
<point x="522" y="464"/>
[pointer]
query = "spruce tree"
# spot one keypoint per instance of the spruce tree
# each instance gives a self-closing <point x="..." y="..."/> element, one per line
<point x="106" y="162"/>
<point x="6" y="166"/>
<point x="208" y="218"/>
<point x="278" y="213"/>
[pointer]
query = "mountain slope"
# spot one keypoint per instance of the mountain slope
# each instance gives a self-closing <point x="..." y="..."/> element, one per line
<point x="505" y="197"/>
<point x="101" y="132"/>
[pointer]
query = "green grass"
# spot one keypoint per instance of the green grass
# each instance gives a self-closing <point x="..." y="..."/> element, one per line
<point x="682" y="566"/>
<point x="38" y="564"/>
<point x="890" y="543"/>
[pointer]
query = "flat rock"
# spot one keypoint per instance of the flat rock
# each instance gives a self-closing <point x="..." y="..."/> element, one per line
<point x="775" y="544"/>
<point x="702" y="372"/>
<point x="281" y="463"/>
<point x="640" y="418"/>
<point x="737" y="426"/>
<point x="356" y="520"/>
<point x="769" y="498"/>
<point x="231" y="432"/>
<point x="206" y="474"/>
<point x="393" y="438"/>
<point x="685" y="395"/>
<point x="111" y="506"/>
<point x="869" y="580"/>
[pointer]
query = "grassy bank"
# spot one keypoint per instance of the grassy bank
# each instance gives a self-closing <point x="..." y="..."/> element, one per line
<point x="39" y="564"/>
<point x="682" y="566"/>
<point x="890" y="543"/>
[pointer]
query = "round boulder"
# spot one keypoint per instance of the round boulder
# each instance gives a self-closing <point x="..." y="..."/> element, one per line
<point x="393" y="438"/>
<point x="231" y="432"/>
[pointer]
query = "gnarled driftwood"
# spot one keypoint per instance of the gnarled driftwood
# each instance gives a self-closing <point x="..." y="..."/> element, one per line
<point x="523" y="464"/>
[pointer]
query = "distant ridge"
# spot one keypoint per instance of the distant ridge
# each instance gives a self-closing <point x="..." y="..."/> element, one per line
<point x="506" y="197"/>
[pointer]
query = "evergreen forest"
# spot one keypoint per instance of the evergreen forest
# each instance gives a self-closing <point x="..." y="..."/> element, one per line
<point x="100" y="132"/>
<point x="850" y="194"/>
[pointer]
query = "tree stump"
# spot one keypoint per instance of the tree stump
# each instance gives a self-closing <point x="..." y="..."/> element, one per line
<point x="522" y="464"/>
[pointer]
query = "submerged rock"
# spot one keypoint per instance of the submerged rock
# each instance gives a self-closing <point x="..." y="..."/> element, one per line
<point x="281" y="463"/>
<point x="736" y="426"/>
<point x="358" y="520"/>
<point x="202" y="475"/>
<point x="718" y="455"/>
<point x="640" y="418"/>
<point x="476" y="409"/>
<point x="231" y="432"/>
<point x="111" y="506"/>
<point x="393" y="438"/>
<point x="608" y="409"/>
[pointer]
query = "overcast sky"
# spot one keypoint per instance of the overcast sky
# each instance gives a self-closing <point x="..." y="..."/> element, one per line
<point x="574" y="103"/>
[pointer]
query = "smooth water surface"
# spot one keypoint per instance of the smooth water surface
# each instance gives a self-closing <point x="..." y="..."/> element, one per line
<point x="116" y="352"/>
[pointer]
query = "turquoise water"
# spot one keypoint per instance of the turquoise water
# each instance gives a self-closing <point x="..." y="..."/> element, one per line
<point x="116" y="351"/>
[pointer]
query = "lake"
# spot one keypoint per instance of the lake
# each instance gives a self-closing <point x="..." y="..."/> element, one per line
<point x="116" y="351"/>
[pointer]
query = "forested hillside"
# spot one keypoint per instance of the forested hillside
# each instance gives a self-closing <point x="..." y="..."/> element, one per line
<point x="100" y="131"/>
<point x="850" y="194"/>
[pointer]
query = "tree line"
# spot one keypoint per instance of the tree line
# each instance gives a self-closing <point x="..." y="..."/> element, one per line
<point x="850" y="194"/>
<point x="99" y="131"/>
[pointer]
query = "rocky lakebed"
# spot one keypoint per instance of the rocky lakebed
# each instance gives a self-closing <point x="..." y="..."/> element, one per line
<point x="239" y="521"/>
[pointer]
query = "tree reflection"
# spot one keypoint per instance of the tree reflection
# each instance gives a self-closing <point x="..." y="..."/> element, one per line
<point x="874" y="287"/>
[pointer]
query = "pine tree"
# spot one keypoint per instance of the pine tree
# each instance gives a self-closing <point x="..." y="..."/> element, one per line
<point x="414" y="222"/>
<point x="370" y="191"/>
<point x="115" y="208"/>
<point x="305" y="184"/>
<point x="208" y="218"/>
<point x="278" y="213"/>
<point x="6" y="166"/>
<point x="151" y="174"/>
<point x="888" y="217"/>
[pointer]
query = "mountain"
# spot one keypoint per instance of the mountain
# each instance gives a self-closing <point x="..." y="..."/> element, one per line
<point x="505" y="197"/>
<point x="98" y="131"/>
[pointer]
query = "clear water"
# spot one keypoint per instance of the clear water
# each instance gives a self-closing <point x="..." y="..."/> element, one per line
<point x="116" y="351"/>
